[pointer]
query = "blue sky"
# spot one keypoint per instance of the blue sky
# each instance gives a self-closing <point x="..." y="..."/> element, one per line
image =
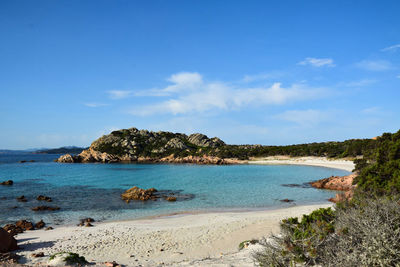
<point x="258" y="72"/>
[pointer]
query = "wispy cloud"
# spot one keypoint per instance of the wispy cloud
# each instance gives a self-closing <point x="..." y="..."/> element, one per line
<point x="262" y="76"/>
<point x="119" y="94"/>
<point x="371" y="110"/>
<point x="317" y="62"/>
<point x="398" y="76"/>
<point x="392" y="48"/>
<point x="205" y="96"/>
<point x="360" y="83"/>
<point x="95" y="105"/>
<point x="303" y="117"/>
<point x="182" y="81"/>
<point x="374" y="65"/>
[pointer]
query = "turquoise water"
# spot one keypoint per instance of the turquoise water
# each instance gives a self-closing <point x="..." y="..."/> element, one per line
<point x="93" y="190"/>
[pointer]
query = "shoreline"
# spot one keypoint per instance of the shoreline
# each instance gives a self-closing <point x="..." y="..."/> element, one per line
<point x="184" y="240"/>
<point x="342" y="164"/>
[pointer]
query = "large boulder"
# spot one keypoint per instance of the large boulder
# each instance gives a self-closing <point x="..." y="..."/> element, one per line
<point x="175" y="143"/>
<point x="203" y="141"/>
<point x="91" y="155"/>
<point x="136" y="193"/>
<point x="7" y="241"/>
<point x="67" y="158"/>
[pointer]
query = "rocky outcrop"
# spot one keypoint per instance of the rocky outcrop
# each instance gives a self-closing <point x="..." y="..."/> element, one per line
<point x="133" y="145"/>
<point x="136" y="193"/>
<point x="338" y="183"/>
<point x="7" y="241"/>
<point x="203" y="141"/>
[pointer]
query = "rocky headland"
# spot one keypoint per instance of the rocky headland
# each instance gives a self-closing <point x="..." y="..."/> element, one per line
<point x="133" y="145"/>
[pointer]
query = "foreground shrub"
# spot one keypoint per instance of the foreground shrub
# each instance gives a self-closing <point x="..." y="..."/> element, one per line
<point x="367" y="234"/>
<point x="299" y="242"/>
<point x="363" y="234"/>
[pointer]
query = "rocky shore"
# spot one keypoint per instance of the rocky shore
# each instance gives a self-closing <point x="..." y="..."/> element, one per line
<point x="338" y="183"/>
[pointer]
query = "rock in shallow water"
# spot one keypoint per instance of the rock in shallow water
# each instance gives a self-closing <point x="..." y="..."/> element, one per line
<point x="44" y="198"/>
<point x="9" y="182"/>
<point x="43" y="208"/>
<point x="136" y="193"/>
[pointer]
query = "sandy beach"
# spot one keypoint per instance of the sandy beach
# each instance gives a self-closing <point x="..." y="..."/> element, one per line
<point x="342" y="164"/>
<point x="207" y="239"/>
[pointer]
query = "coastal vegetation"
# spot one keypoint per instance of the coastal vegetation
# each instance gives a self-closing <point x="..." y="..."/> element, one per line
<point x="363" y="231"/>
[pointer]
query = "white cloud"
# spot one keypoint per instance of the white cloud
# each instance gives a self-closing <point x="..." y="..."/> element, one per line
<point x="119" y="94"/>
<point x="303" y="117"/>
<point x="317" y="62"/>
<point x="392" y="48"/>
<point x="374" y="65"/>
<point x="95" y="105"/>
<point x="398" y="76"/>
<point x="221" y="96"/>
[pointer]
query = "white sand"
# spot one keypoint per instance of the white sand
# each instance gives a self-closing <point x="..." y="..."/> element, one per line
<point x="207" y="239"/>
<point x="343" y="164"/>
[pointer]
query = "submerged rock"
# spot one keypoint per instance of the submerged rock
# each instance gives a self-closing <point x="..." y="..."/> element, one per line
<point x="22" y="199"/>
<point x="9" y="182"/>
<point x="171" y="199"/>
<point x="43" y="208"/>
<point x="44" y="198"/>
<point x="286" y="200"/>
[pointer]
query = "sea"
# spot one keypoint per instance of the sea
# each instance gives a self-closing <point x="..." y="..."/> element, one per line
<point x="94" y="189"/>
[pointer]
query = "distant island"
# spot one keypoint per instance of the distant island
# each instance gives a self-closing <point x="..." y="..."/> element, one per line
<point x="133" y="145"/>
<point x="61" y="150"/>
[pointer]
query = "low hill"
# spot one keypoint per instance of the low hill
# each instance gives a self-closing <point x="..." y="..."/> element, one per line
<point x="147" y="146"/>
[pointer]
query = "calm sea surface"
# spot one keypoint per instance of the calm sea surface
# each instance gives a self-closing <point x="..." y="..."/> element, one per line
<point x="93" y="190"/>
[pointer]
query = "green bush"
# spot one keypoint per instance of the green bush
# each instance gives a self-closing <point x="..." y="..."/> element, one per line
<point x="365" y="232"/>
<point x="299" y="242"/>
